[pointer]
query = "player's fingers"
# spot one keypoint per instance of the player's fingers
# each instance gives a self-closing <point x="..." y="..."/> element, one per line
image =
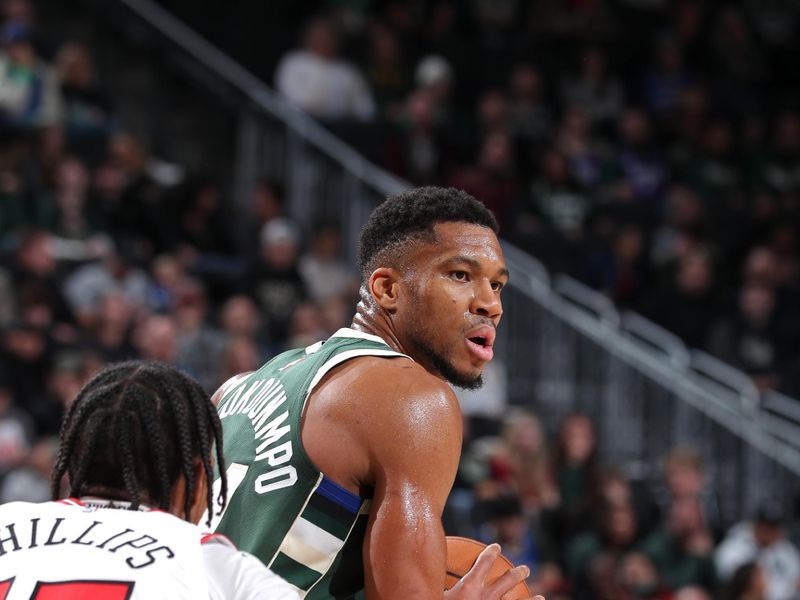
<point x="511" y="578"/>
<point x="483" y="563"/>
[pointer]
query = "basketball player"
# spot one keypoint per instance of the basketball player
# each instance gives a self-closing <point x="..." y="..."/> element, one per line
<point x="340" y="456"/>
<point x="137" y="445"/>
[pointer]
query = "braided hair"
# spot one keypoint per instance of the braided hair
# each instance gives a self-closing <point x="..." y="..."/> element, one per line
<point x="133" y="430"/>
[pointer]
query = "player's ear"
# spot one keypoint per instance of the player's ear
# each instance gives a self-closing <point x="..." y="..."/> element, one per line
<point x="383" y="287"/>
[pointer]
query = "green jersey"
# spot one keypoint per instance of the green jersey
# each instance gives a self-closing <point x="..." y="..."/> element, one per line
<point x="280" y="507"/>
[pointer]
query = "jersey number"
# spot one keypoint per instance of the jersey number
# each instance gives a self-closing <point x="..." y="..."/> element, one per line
<point x="75" y="590"/>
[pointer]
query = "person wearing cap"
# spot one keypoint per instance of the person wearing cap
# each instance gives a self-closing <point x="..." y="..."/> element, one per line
<point x="763" y="541"/>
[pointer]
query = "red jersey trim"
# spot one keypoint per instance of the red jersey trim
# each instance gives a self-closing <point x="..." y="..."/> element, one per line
<point x="217" y="538"/>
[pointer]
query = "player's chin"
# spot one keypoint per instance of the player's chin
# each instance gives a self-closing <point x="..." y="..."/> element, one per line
<point x="469" y="377"/>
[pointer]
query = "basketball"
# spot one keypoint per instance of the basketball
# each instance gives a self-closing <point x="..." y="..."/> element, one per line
<point x="462" y="554"/>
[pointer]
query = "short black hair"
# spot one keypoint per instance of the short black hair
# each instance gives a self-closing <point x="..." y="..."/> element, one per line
<point x="410" y="216"/>
<point x="133" y="430"/>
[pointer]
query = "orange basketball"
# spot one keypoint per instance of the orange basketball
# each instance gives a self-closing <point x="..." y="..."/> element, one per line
<point x="462" y="554"/>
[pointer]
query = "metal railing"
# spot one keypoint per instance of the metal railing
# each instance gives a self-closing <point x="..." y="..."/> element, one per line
<point x="565" y="346"/>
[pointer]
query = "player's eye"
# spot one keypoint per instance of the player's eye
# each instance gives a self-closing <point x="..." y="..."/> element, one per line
<point x="459" y="275"/>
<point x="497" y="286"/>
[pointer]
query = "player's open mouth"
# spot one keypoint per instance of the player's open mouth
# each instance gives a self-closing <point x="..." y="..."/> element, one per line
<point x="479" y="342"/>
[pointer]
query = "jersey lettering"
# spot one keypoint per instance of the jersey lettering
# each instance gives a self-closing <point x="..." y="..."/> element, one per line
<point x="288" y="477"/>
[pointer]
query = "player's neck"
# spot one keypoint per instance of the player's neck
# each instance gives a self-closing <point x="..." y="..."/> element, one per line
<point x="369" y="320"/>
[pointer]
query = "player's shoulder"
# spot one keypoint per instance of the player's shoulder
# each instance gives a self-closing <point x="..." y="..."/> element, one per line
<point x="398" y="377"/>
<point x="229" y="383"/>
<point x="19" y="507"/>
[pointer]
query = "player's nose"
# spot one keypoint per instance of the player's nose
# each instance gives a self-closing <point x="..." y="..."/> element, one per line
<point x="486" y="301"/>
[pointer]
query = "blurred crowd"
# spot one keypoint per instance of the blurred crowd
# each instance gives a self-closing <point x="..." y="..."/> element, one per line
<point x="591" y="532"/>
<point x="649" y="148"/>
<point x="109" y="253"/>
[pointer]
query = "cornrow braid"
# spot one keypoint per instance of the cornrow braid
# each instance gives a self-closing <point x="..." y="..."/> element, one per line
<point x="133" y="430"/>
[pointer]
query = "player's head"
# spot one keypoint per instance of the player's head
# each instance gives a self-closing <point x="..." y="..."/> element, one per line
<point x="142" y="432"/>
<point x="431" y="262"/>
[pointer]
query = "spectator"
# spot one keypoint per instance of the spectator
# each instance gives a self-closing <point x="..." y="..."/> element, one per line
<point x="199" y="347"/>
<point x="266" y="203"/>
<point x="521" y="464"/>
<point x="682" y="549"/>
<point x="712" y="169"/>
<point x="688" y="304"/>
<point x="780" y="169"/>
<point x="30" y="482"/>
<point x="686" y="476"/>
<point x="29" y="95"/>
<point x="239" y="317"/>
<point x="506" y="524"/>
<point x="387" y="72"/>
<point x="17" y="432"/>
<point x="641" y="171"/>
<point x="86" y="287"/>
<point x="420" y="150"/>
<point x="167" y="273"/>
<point x="324" y="274"/>
<point x="156" y="339"/>
<point x="202" y="221"/>
<point x="754" y="339"/>
<point x="435" y="75"/>
<point x="88" y="112"/>
<point x="619" y="270"/>
<point x="738" y="62"/>
<point x="72" y="214"/>
<point x="666" y="79"/>
<point x="615" y="533"/>
<point x="530" y="117"/>
<point x="316" y="80"/>
<point x="685" y="221"/>
<point x="550" y="219"/>
<point x="576" y="472"/>
<point x="588" y="158"/>
<point x="27" y="354"/>
<point x="130" y="197"/>
<point x="35" y="275"/>
<point x="240" y="355"/>
<point x="305" y="326"/>
<point x="111" y="336"/>
<point x="275" y="281"/>
<point x="65" y="378"/>
<point x="493" y="178"/>
<point x="594" y="90"/>
<point x="762" y="541"/>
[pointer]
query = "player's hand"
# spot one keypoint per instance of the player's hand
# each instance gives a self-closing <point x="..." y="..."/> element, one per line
<point x="473" y="587"/>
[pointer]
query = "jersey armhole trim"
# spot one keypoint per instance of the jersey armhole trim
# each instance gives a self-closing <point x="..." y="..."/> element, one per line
<point x="345" y="356"/>
<point x="217" y="538"/>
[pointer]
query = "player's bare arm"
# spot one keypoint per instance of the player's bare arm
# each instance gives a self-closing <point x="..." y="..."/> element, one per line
<point x="394" y="429"/>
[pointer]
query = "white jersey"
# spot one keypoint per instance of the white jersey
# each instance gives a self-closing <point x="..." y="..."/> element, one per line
<point x="73" y="550"/>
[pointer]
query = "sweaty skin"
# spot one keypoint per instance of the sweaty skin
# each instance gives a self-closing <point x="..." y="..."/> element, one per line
<point x="392" y="427"/>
